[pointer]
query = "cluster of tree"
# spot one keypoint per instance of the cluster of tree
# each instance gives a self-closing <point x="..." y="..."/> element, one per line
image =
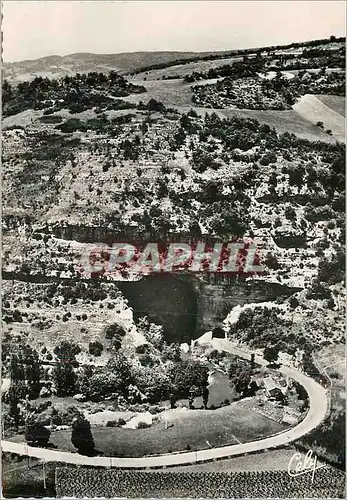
<point x="239" y="69"/>
<point x="130" y="149"/>
<point x="37" y="434"/>
<point x="332" y="270"/>
<point x="63" y="374"/>
<point x="245" y="133"/>
<point x="240" y="376"/>
<point x="241" y="52"/>
<point x="254" y="92"/>
<point x="154" y="381"/>
<point x="99" y="124"/>
<point x="266" y="328"/>
<point x="93" y="290"/>
<point x="154" y="335"/>
<point x="25" y="374"/>
<point x="77" y="93"/>
<point x="155" y="224"/>
<point x="24" y="368"/>
<point x="227" y="219"/>
<point x="237" y="132"/>
<point x="114" y="334"/>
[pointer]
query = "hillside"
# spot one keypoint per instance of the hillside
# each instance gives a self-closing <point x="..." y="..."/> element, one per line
<point x="245" y="148"/>
<point x="156" y="64"/>
<point x="58" y="66"/>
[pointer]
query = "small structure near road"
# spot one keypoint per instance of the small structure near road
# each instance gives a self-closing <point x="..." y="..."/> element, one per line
<point x="273" y="390"/>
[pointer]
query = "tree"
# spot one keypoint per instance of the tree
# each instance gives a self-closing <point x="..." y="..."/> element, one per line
<point x="205" y="396"/>
<point x="83" y="379"/>
<point x="120" y="367"/>
<point x="170" y="352"/>
<point x="241" y="382"/>
<point x="32" y="372"/>
<point x="154" y="383"/>
<point x="112" y="330"/>
<point x="193" y="392"/>
<point x="16" y="369"/>
<point x="271" y="354"/>
<point x="154" y="105"/>
<point x="81" y="436"/>
<point x="36" y="433"/>
<point x="172" y="399"/>
<point x="66" y="352"/>
<point x="64" y="379"/>
<point x="240" y="377"/>
<point x="188" y="373"/>
<point x="13" y="400"/>
<point x="252" y="361"/>
<point x="95" y="348"/>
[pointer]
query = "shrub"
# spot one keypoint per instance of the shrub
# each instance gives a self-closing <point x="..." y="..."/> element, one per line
<point x="36" y="433"/>
<point x="267" y="158"/>
<point x="116" y="423"/>
<point x="141" y="349"/>
<point x="143" y="425"/>
<point x="112" y="330"/>
<point x="71" y="125"/>
<point x="81" y="436"/>
<point x="95" y="348"/>
<point x="51" y="119"/>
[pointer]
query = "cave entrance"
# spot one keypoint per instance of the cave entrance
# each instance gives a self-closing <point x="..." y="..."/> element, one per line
<point x="167" y="300"/>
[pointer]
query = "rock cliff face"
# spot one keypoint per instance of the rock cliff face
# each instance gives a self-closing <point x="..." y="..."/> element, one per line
<point x="188" y="306"/>
<point x="216" y="300"/>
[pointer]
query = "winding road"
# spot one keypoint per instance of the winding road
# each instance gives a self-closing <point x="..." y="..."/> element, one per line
<point x="315" y="415"/>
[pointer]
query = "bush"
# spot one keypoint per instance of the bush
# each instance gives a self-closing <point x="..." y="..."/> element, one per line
<point x="71" y="125"/>
<point x="116" y="423"/>
<point x="143" y="425"/>
<point x="95" y="348"/>
<point x="112" y="330"/>
<point x="36" y="433"/>
<point x="51" y="119"/>
<point x="268" y="158"/>
<point x="141" y="349"/>
<point x="81" y="436"/>
<point x="65" y="416"/>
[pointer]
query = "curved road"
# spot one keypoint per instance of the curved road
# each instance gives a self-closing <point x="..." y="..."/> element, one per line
<point x="315" y="415"/>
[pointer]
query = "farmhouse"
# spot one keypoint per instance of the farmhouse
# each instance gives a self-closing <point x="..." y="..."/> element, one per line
<point x="272" y="390"/>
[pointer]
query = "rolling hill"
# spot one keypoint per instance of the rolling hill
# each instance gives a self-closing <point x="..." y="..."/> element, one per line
<point x="58" y="66"/>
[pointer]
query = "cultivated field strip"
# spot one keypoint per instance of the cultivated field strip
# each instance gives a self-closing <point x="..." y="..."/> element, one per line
<point x="71" y="482"/>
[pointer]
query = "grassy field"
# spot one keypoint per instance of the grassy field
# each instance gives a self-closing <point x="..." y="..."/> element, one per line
<point x="283" y="121"/>
<point x="314" y="110"/>
<point x="225" y="426"/>
<point x="19" y="480"/>
<point x="177" y="94"/>
<point x="335" y="102"/>
<point x="185" y="69"/>
<point x="268" y="460"/>
<point x="169" y="92"/>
